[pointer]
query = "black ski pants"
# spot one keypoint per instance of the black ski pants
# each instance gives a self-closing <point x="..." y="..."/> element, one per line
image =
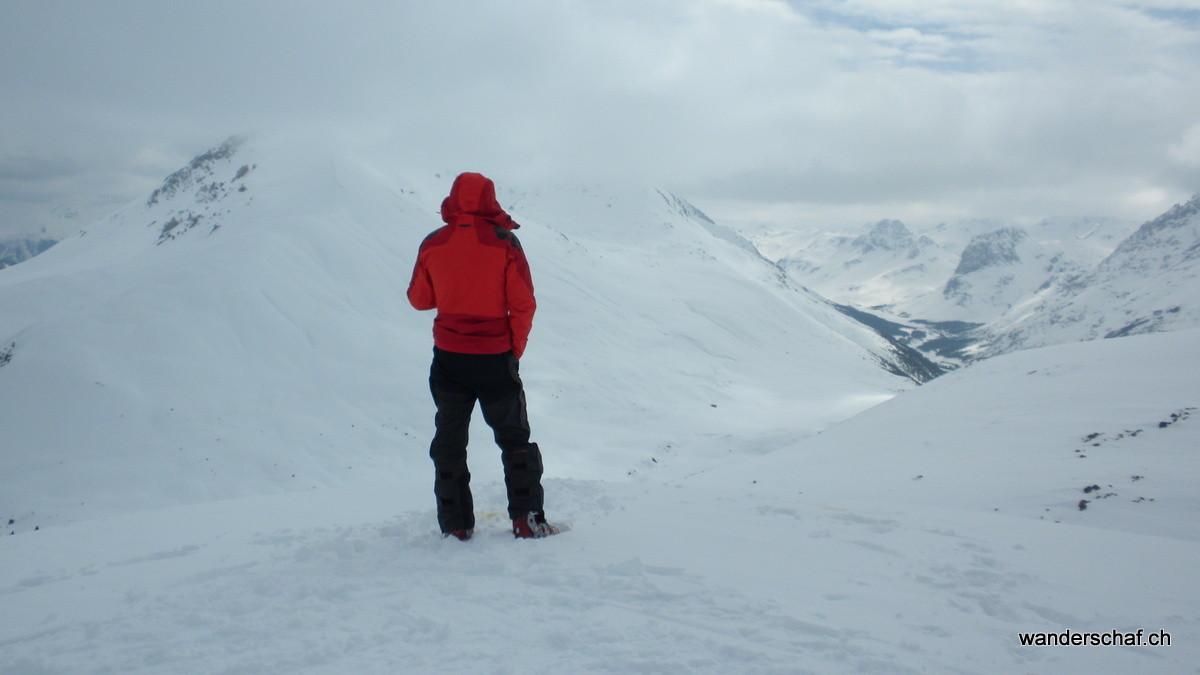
<point x="456" y="382"/>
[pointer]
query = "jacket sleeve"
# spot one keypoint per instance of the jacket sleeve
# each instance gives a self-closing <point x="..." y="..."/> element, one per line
<point x="420" y="288"/>
<point x="518" y="287"/>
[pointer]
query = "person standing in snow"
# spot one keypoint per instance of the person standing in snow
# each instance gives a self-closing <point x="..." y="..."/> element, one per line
<point x="474" y="273"/>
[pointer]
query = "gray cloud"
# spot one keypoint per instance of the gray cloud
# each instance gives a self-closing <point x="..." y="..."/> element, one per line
<point x="36" y="169"/>
<point x="949" y="107"/>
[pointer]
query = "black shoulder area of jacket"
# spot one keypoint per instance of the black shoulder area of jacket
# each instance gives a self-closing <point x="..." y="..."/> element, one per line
<point x="430" y="236"/>
<point x="507" y="235"/>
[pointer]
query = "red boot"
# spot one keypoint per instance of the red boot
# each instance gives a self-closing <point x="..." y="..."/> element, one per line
<point x="533" y="526"/>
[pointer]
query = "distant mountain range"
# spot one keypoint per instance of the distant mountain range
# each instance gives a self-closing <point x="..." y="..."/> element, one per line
<point x="18" y="249"/>
<point x="1150" y="283"/>
<point x="967" y="290"/>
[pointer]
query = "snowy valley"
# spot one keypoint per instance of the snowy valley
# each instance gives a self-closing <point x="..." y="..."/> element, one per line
<point x="963" y="291"/>
<point x="214" y="421"/>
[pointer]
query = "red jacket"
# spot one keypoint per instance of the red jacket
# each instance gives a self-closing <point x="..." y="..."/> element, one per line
<point x="473" y="271"/>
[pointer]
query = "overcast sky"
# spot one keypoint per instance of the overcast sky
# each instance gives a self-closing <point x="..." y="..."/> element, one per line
<point x="804" y="112"/>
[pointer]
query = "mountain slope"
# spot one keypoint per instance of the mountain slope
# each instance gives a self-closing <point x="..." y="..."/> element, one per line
<point x="243" y="330"/>
<point x="1150" y="283"/>
<point x="997" y="270"/>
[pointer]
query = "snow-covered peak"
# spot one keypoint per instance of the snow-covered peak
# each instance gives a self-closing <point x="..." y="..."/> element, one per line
<point x="882" y="266"/>
<point x="1150" y="283"/>
<point x="889" y="235"/>
<point x="935" y="289"/>
<point x="201" y="172"/>
<point x="18" y="249"/>
<point x="991" y="249"/>
<point x="1167" y="240"/>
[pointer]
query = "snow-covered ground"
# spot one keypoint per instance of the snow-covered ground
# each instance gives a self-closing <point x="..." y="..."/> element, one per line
<point x="923" y="535"/>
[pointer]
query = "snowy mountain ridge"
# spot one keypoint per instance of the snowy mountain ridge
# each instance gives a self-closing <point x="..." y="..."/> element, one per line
<point x="18" y="249"/>
<point x="1009" y="287"/>
<point x="989" y="250"/>
<point x="882" y="266"/>
<point x="892" y="235"/>
<point x="974" y="271"/>
<point x="252" y="308"/>
<point x="1150" y="283"/>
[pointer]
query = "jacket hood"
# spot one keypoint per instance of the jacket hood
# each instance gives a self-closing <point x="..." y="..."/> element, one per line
<point x="473" y="200"/>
